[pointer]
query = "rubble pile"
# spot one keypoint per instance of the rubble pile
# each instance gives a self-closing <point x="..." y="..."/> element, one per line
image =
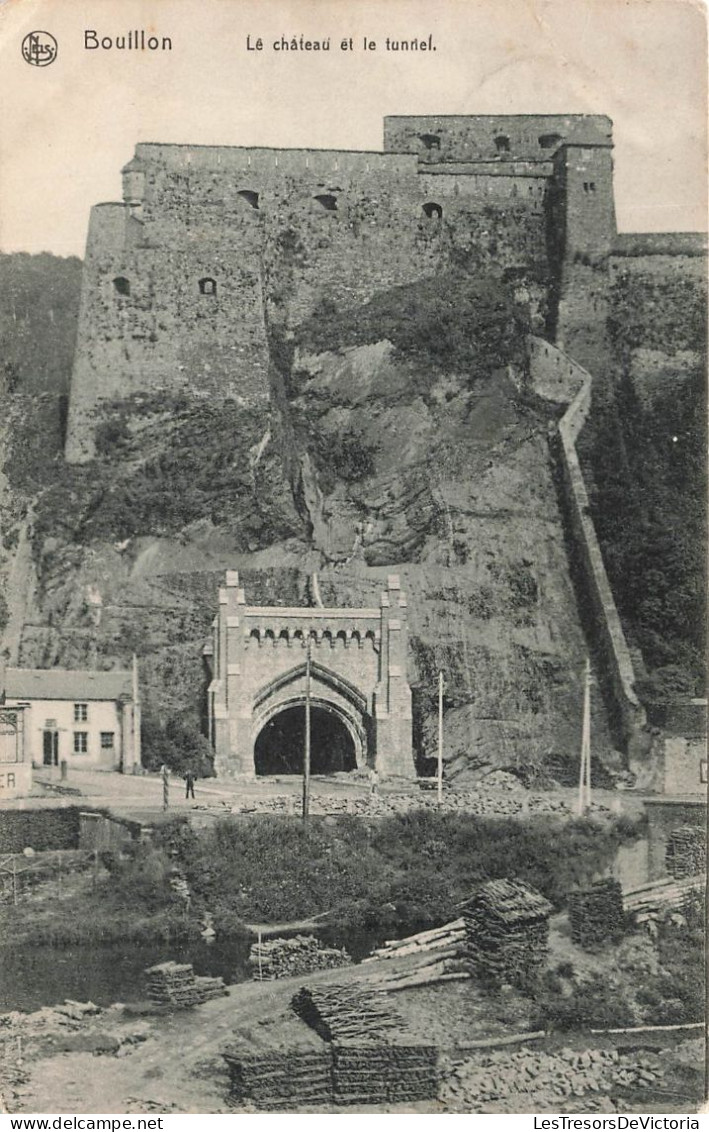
<point x="175" y="984"/>
<point x="596" y="913"/>
<point x="485" y="799"/>
<point x="298" y="955"/>
<point x="499" y="1074"/>
<point x="507" y="930"/>
<point x="275" y="1075"/>
<point x="686" y="851"/>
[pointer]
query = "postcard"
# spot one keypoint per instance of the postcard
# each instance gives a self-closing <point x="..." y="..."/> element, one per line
<point x="352" y="559"/>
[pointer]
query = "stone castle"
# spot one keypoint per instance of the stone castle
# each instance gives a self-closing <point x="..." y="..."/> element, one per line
<point x="214" y="244"/>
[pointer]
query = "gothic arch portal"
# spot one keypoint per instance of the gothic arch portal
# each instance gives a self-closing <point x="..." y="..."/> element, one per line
<point x="357" y="676"/>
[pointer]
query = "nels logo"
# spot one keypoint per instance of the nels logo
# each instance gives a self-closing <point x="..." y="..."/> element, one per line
<point x="39" y="48"/>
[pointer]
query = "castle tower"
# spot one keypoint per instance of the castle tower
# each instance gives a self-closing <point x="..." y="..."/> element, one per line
<point x="582" y="230"/>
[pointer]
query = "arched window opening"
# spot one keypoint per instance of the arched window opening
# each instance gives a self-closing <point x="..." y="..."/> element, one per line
<point x="430" y="141"/>
<point x="121" y="285"/>
<point x="549" y="141"/>
<point x="328" y="201"/>
<point x="432" y="209"/>
<point x="502" y="143"/>
<point x="589" y="186"/>
<point x="249" y="196"/>
<point x="207" y="286"/>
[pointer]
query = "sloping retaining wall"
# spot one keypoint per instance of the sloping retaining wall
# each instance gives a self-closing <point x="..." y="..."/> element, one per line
<point x="556" y="377"/>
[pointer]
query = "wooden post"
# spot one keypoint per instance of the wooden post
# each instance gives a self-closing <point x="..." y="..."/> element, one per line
<point x="165" y="787"/>
<point x="585" y="766"/>
<point x="306" y="751"/>
<point x="260" y="971"/>
<point x="135" y="720"/>
<point x="440" y="738"/>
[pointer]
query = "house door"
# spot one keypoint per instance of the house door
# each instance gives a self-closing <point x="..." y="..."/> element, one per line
<point x="50" y="741"/>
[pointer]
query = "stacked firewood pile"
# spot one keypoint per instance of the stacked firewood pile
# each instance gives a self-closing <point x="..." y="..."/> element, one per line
<point x="299" y="955"/>
<point x="507" y="927"/>
<point x="274" y="1074"/>
<point x="345" y="1013"/>
<point x="686" y="851"/>
<point x="379" y="1074"/>
<point x="175" y="984"/>
<point x="596" y="913"/>
<point x="373" y="1062"/>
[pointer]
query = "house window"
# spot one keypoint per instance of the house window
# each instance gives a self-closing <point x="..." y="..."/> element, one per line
<point x="549" y="141"/>
<point x="81" y="742"/>
<point x="81" y="713"/>
<point x="107" y="740"/>
<point x="589" y="186"/>
<point x="502" y="143"/>
<point x="121" y="285"/>
<point x="207" y="286"/>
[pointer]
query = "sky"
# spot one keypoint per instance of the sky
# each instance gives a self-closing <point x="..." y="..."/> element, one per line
<point x="66" y="129"/>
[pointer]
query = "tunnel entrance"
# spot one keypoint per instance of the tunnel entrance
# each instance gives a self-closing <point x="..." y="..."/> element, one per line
<point x="279" y="747"/>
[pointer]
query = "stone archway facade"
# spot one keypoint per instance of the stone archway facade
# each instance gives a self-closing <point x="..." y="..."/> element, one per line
<point x="358" y="673"/>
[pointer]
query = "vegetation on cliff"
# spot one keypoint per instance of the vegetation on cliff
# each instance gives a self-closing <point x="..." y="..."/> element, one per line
<point x="648" y="463"/>
<point x="456" y="323"/>
<point x="38" y="317"/>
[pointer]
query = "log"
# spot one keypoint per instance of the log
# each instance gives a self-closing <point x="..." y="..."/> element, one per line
<point x="447" y="977"/>
<point x="493" y="1043"/>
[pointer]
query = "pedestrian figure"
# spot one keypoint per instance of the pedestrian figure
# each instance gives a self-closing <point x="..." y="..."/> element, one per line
<point x="189" y="784"/>
<point x="373" y="780"/>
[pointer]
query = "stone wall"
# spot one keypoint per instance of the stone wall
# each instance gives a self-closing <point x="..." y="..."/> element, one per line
<point x="215" y="247"/>
<point x="459" y="137"/>
<point x="551" y="370"/>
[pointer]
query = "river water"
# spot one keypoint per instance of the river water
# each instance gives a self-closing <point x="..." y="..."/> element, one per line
<point x="31" y="977"/>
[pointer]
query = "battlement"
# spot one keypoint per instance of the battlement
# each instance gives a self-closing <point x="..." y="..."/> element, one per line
<point x="269" y="161"/>
<point x="500" y="138"/>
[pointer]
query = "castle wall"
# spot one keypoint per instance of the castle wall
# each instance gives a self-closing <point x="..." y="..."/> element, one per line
<point x="551" y="370"/>
<point x="274" y="233"/>
<point x="473" y="138"/>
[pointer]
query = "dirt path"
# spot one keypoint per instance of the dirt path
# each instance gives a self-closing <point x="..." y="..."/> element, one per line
<point x="178" y="1068"/>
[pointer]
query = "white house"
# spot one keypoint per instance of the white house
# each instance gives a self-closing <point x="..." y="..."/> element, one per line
<point x="90" y="719"/>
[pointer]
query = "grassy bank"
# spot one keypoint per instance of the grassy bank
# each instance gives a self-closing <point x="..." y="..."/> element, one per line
<point x="394" y="873"/>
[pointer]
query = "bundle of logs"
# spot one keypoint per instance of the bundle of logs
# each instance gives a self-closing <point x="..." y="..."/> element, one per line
<point x="343" y="1013"/>
<point x="175" y="984"/>
<point x="507" y="927"/>
<point x="373" y="1061"/>
<point x="299" y="955"/>
<point x="434" y="956"/>
<point x="384" y="1074"/>
<point x="353" y="1051"/>
<point x="648" y="901"/>
<point x="686" y="851"/>
<point x="596" y="913"/>
<point x="275" y="1075"/>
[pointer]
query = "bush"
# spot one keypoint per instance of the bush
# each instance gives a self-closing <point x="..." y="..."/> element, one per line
<point x="410" y="870"/>
<point x="597" y="1002"/>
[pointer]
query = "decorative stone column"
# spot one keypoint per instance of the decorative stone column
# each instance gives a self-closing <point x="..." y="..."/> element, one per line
<point x="392" y="702"/>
